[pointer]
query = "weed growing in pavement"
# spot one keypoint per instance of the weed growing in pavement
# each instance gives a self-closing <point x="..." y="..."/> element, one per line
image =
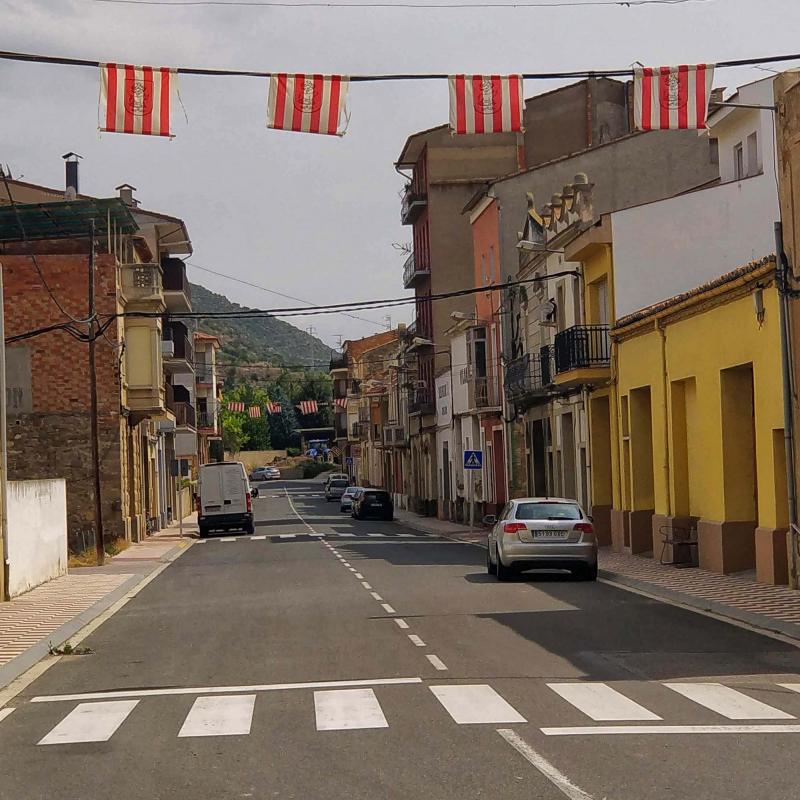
<point x="67" y="649"/>
<point x="88" y="557"/>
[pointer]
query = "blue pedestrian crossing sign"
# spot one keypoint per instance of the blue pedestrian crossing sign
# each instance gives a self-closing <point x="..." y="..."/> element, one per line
<point x="348" y="461"/>
<point x="473" y="459"/>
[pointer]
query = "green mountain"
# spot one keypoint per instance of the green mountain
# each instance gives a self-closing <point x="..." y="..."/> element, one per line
<point x="270" y="340"/>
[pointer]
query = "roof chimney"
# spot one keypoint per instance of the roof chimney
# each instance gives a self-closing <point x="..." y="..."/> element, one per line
<point x="126" y="194"/>
<point x="71" y="184"/>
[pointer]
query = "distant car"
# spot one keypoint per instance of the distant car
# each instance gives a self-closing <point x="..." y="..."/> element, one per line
<point x="335" y="489"/>
<point x="273" y="474"/>
<point x="265" y="474"/>
<point x="541" y="533"/>
<point x="346" y="503"/>
<point x="337" y="476"/>
<point x="373" y="503"/>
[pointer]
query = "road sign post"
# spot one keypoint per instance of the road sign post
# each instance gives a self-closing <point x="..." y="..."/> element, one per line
<point x="473" y="460"/>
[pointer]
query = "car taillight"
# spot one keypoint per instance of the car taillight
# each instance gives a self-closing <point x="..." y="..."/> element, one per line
<point x="249" y="502"/>
<point x="586" y="528"/>
<point x="510" y="528"/>
<point x="197" y="505"/>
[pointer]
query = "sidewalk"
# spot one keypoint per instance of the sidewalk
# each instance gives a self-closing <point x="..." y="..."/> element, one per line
<point x="441" y="527"/>
<point x="56" y="610"/>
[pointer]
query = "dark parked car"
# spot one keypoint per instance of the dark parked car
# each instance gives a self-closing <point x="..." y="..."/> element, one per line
<point x="373" y="503"/>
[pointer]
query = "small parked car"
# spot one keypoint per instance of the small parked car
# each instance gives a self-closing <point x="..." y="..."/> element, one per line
<point x="372" y="503"/>
<point x="273" y="473"/>
<point x="346" y="503"/>
<point x="335" y="489"/>
<point x="541" y="533"/>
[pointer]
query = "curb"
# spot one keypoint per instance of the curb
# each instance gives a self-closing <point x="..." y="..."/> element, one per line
<point x="23" y="662"/>
<point x="701" y="604"/>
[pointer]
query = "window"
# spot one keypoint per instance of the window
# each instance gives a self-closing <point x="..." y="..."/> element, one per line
<point x="713" y="151"/>
<point x="738" y="162"/>
<point x="548" y="511"/>
<point x="753" y="165"/>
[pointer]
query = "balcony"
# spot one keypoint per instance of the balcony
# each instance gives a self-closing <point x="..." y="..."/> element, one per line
<point x="414" y="201"/>
<point x="363" y="414"/>
<point x="141" y="287"/>
<point x="180" y="406"/>
<point x="395" y="436"/>
<point x="177" y="294"/>
<point x="338" y="361"/>
<point x="582" y="356"/>
<point x="176" y="349"/>
<point x="341" y="431"/>
<point x="204" y="373"/>
<point x="530" y="376"/>
<point x="420" y="401"/>
<point x="412" y="271"/>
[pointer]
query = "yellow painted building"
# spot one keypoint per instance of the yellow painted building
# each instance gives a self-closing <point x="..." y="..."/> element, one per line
<point x="687" y="433"/>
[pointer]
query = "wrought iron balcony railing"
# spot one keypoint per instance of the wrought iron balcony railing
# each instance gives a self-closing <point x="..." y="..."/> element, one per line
<point x="582" y="347"/>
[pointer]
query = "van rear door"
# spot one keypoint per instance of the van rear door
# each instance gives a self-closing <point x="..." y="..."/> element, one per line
<point x="234" y="487"/>
<point x="223" y="489"/>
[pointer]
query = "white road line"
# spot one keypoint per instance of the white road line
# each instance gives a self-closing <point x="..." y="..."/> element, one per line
<point x="4" y="712"/>
<point x="475" y="704"/>
<point x="377" y="535"/>
<point x="601" y="702"/>
<point x="345" y="563"/>
<point x="387" y="608"/>
<point x="612" y="730"/>
<point x="417" y="641"/>
<point x="353" y="569"/>
<point x="287" y="535"/>
<point x="258" y="538"/>
<point x="348" y="709"/>
<point x="219" y="716"/>
<point x="228" y="539"/>
<point x="262" y="687"/>
<point x="726" y="701"/>
<point x="201" y="541"/>
<point x="437" y="662"/>
<point x="90" y="722"/>
<point x="404" y="535"/>
<point x="375" y="595"/>
<point x="366" y="585"/>
<point x="401" y="623"/>
<point x="555" y="776"/>
<point x="358" y="575"/>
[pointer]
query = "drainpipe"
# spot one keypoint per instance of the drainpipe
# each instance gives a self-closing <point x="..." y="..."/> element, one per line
<point x="782" y="268"/>
<point x="665" y="464"/>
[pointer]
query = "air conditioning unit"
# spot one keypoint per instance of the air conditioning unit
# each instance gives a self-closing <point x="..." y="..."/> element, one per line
<point x="547" y="313"/>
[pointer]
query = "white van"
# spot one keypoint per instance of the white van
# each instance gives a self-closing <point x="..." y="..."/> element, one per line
<point x="223" y="498"/>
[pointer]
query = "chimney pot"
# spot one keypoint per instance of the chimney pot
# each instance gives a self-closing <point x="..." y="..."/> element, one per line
<point x="126" y="194"/>
<point x="71" y="182"/>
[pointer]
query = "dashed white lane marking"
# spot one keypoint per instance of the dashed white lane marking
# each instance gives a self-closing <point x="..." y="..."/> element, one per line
<point x="417" y="641"/>
<point x="345" y="563"/>
<point x="557" y="778"/>
<point x="353" y="569"/>
<point x="601" y="702"/>
<point x="348" y="709"/>
<point x="476" y="704"/>
<point x="401" y="623"/>
<point x="404" y="535"/>
<point x="612" y="730"/>
<point x="375" y="595"/>
<point x="259" y="687"/>
<point x="377" y="535"/>
<point x="366" y="585"/>
<point x="437" y="662"/>
<point x="4" y="712"/>
<point x="387" y="608"/>
<point x="727" y="702"/>
<point x="228" y="539"/>
<point x="287" y="535"/>
<point x="257" y="538"/>
<point x="201" y="541"/>
<point x="230" y="715"/>
<point x="90" y="722"/>
<point x="358" y="575"/>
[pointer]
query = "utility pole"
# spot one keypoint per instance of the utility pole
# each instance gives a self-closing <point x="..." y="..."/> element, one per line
<point x="4" y="587"/>
<point x="311" y="330"/>
<point x="98" y="505"/>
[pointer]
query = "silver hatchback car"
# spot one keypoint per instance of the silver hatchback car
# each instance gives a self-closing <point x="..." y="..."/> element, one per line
<point x="541" y="533"/>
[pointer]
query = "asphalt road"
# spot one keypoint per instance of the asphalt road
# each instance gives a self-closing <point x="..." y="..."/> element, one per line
<point x="326" y="658"/>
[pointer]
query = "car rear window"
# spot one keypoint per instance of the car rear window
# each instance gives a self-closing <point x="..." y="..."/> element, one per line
<point x="548" y="511"/>
<point x="338" y="483"/>
<point x="377" y="495"/>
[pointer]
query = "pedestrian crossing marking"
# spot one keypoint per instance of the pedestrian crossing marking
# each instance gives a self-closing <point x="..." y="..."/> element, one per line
<point x="229" y="715"/>
<point x="258" y="538"/>
<point x="612" y="730"/>
<point x="348" y="709"/>
<point x="600" y="702"/>
<point x="727" y="702"/>
<point x="4" y="712"/>
<point x="475" y="704"/>
<point x="91" y="722"/>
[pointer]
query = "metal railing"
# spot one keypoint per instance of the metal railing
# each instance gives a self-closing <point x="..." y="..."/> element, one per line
<point x="411" y="269"/>
<point x="203" y="372"/>
<point x="420" y="401"/>
<point x="184" y="414"/>
<point x="412" y="204"/>
<point x="338" y="361"/>
<point x="174" y="279"/>
<point x="206" y="420"/>
<point x="582" y="346"/>
<point x="484" y="392"/>
<point x="363" y="414"/>
<point x="531" y="374"/>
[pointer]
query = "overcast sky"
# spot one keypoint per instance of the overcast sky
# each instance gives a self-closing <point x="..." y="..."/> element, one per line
<point x="315" y="216"/>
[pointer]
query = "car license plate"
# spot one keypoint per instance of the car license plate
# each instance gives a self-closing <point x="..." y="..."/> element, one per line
<point x="550" y="535"/>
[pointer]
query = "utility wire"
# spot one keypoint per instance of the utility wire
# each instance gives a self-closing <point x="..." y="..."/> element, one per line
<point x="270" y="4"/>
<point x="279" y="294"/>
<point x="82" y="62"/>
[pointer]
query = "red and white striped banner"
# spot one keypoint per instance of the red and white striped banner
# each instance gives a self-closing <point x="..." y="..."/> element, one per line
<point x="340" y="402"/>
<point x="486" y="103"/>
<point x="135" y="99"/>
<point x="308" y="103"/>
<point x="307" y="406"/>
<point x="235" y="406"/>
<point x="671" y="98"/>
<point x="273" y="408"/>
<point x="254" y="411"/>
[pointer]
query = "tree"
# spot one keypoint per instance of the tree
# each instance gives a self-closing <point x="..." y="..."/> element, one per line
<point x="315" y="386"/>
<point x="283" y="426"/>
<point x="250" y="433"/>
<point x="232" y="433"/>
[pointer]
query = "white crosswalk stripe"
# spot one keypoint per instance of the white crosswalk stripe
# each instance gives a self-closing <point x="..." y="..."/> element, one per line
<point x="728" y="702"/>
<point x="229" y="715"/>
<point x="600" y="702"/>
<point x="4" y="712"/>
<point x="476" y="704"/>
<point x="348" y="709"/>
<point x="91" y="722"/>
